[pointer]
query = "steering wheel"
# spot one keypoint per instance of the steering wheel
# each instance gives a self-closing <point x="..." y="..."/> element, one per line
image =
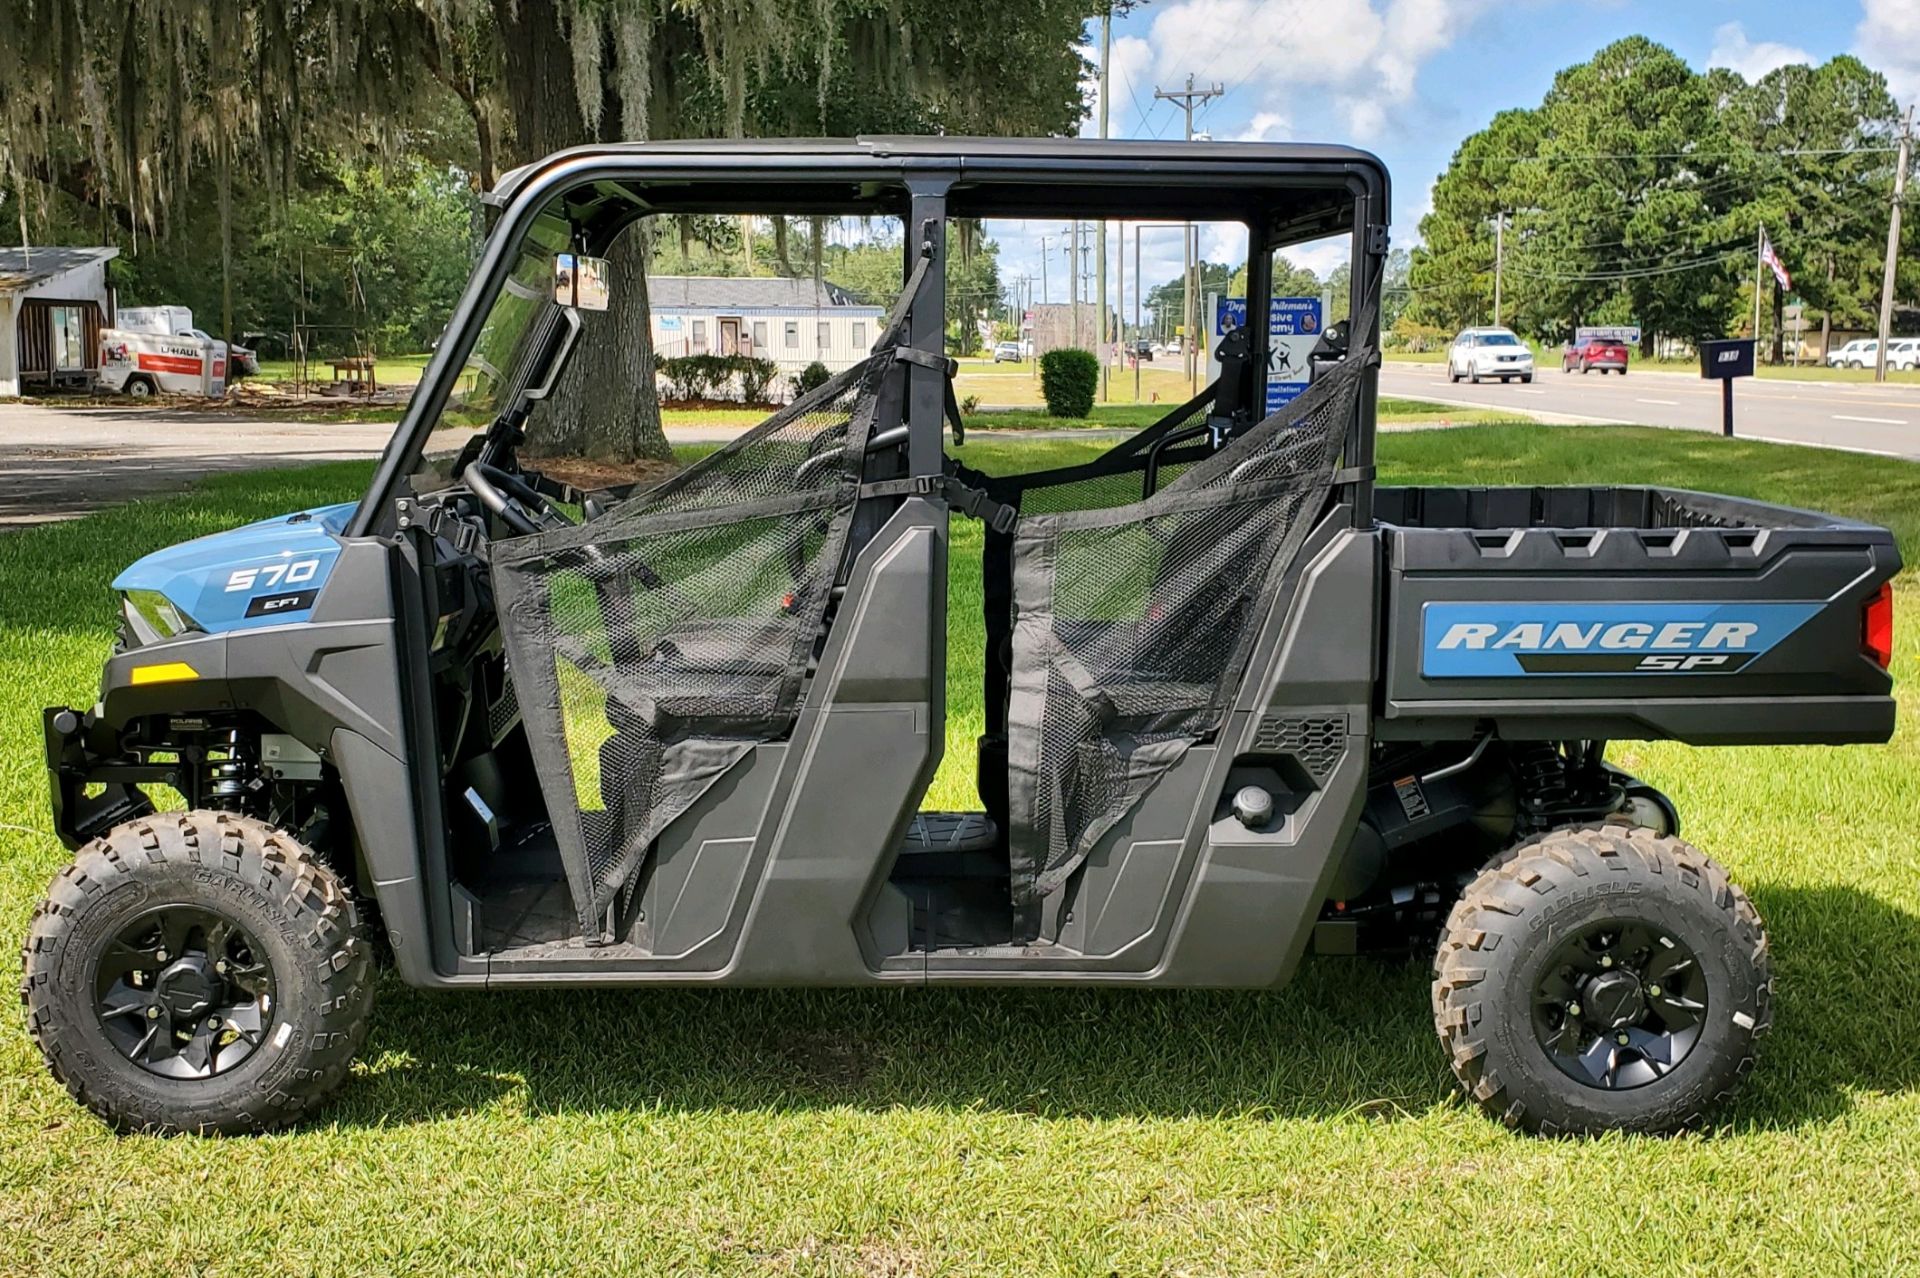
<point x="518" y="504"/>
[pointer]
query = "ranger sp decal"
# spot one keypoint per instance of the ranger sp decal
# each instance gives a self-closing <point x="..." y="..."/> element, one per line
<point x="1500" y="640"/>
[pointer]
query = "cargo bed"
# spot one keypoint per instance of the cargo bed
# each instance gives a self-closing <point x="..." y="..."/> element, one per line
<point x="1629" y="612"/>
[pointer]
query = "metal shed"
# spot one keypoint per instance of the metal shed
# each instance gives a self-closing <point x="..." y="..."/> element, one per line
<point x="53" y="304"/>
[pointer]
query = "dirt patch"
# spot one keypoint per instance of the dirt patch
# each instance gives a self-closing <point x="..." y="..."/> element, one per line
<point x="721" y="405"/>
<point x="588" y="474"/>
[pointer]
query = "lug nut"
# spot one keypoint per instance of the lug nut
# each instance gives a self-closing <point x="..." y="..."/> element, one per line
<point x="1573" y="1009"/>
<point x="1606" y="960"/>
<point x="220" y="966"/>
<point x="1622" y="1039"/>
<point x="213" y="1022"/>
<point x="159" y="956"/>
<point x="1654" y="990"/>
<point x="153" y="1013"/>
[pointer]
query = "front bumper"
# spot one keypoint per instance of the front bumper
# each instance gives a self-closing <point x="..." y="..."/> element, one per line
<point x="76" y="764"/>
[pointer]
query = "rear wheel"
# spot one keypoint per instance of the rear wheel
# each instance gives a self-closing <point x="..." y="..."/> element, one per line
<point x="139" y="388"/>
<point x="197" y="972"/>
<point x="1602" y="978"/>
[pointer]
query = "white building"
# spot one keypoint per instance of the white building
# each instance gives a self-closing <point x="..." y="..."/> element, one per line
<point x="792" y="322"/>
<point x="53" y="304"/>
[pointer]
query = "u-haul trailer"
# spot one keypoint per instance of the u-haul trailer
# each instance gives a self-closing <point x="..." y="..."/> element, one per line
<point x="142" y="364"/>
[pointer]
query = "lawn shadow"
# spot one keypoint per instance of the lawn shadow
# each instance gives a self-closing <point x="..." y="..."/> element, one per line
<point x="1348" y="1036"/>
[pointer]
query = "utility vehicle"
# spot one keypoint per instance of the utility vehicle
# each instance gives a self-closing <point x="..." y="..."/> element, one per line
<point x="1240" y="700"/>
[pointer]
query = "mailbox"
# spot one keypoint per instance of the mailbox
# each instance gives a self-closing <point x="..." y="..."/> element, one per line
<point x="1730" y="358"/>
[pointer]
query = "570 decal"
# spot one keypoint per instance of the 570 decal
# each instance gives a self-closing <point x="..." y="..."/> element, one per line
<point x="272" y="576"/>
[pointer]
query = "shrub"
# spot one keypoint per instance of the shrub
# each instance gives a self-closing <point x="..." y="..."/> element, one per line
<point x="756" y="377"/>
<point x="970" y="405"/>
<point x="1068" y="379"/>
<point x="810" y="378"/>
<point x="703" y="377"/>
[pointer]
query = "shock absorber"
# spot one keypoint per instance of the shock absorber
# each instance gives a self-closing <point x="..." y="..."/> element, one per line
<point x="1541" y="774"/>
<point x="1563" y="783"/>
<point x="232" y="779"/>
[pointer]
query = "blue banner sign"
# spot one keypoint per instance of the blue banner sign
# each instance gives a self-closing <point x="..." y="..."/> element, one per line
<point x="1293" y="328"/>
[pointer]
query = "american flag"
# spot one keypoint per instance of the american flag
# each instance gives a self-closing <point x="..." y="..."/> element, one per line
<point x="1772" y="259"/>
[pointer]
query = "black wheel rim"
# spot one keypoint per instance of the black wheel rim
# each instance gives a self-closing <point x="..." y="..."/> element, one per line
<point x="1620" y="1004"/>
<point x="184" y="992"/>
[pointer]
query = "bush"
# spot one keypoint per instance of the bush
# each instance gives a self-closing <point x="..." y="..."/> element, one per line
<point x="756" y="377"/>
<point x="1068" y="379"/>
<point x="811" y="378"/>
<point x="690" y="378"/>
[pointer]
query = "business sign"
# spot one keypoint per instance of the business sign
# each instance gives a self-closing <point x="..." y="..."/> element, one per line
<point x="1625" y="334"/>
<point x="1293" y="329"/>
<point x="1504" y="640"/>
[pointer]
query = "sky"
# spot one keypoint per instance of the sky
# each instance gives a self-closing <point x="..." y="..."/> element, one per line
<point x="1410" y="79"/>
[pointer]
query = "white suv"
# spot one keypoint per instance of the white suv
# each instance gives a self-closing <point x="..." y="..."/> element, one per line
<point x="1904" y="353"/>
<point x="1489" y="352"/>
<point x="1858" y="353"/>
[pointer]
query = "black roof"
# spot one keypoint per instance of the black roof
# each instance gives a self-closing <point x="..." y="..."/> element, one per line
<point x="1292" y="182"/>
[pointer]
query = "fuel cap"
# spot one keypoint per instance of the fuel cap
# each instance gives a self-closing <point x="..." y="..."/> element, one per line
<point x="1252" y="805"/>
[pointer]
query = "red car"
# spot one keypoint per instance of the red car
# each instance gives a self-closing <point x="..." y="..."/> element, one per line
<point x="1601" y="353"/>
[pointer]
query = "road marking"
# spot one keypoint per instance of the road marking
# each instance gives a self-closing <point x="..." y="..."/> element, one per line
<point x="1670" y="403"/>
<point x="1877" y="421"/>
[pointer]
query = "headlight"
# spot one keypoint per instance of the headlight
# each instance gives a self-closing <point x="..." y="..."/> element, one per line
<point x="152" y="616"/>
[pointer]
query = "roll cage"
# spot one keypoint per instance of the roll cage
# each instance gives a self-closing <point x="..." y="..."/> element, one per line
<point x="1283" y="194"/>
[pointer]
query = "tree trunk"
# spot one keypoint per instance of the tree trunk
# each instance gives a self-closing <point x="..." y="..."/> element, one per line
<point x="606" y="406"/>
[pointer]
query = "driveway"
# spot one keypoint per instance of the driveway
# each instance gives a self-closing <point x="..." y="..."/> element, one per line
<point x="59" y="463"/>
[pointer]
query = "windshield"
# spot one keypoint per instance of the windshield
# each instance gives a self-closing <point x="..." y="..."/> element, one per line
<point x="1498" y="339"/>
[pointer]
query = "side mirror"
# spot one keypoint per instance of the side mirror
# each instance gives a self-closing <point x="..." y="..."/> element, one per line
<point x="581" y="282"/>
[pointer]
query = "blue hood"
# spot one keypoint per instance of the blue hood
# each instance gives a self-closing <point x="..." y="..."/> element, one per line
<point x="264" y="574"/>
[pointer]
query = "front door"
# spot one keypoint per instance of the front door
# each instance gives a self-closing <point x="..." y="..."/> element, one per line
<point x="730" y="336"/>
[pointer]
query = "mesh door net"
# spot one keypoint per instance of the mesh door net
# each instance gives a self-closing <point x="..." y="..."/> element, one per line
<point x="653" y="647"/>
<point x="1132" y="623"/>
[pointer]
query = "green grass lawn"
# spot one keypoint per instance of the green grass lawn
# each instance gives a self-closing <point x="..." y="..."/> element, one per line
<point x="1311" y="1130"/>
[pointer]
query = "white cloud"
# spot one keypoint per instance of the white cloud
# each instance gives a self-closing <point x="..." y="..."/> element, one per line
<point x="1364" y="56"/>
<point x="1733" y="50"/>
<point x="1132" y="82"/>
<point x="1265" y="126"/>
<point x="1888" y="40"/>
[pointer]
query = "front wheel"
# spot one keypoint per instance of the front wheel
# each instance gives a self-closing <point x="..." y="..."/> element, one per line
<point x="1602" y="978"/>
<point x="197" y="972"/>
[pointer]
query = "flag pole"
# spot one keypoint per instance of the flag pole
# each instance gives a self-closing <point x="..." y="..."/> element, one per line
<point x="1759" y="264"/>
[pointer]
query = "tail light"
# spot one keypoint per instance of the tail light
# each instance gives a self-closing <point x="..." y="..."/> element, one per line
<point x="1876" y="626"/>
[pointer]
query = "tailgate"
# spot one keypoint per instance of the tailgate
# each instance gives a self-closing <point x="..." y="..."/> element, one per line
<point x="1620" y="613"/>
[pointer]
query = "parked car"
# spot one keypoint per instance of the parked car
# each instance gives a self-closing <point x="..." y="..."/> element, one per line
<point x="1602" y="353"/>
<point x="241" y="361"/>
<point x="1904" y="353"/>
<point x="1858" y="353"/>
<point x="1007" y="353"/>
<point x="1143" y="349"/>
<point x="1489" y="352"/>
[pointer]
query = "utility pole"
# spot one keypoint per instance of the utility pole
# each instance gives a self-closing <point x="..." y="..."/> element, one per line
<point x="1046" y="294"/>
<point x="1100" y="236"/>
<point x="1186" y="98"/>
<point x="1072" y="251"/>
<point x="1499" y="260"/>
<point x="1893" y="249"/>
<point x="1120" y="309"/>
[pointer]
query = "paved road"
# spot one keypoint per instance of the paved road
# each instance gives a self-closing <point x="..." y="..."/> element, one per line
<point x="1852" y="415"/>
